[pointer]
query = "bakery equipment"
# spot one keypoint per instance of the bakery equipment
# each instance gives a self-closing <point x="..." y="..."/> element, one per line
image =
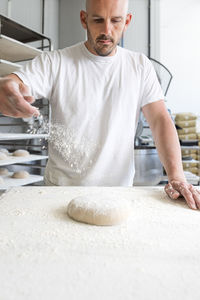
<point x="148" y="168"/>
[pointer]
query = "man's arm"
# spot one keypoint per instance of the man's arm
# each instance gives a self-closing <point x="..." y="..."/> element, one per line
<point x="15" y="98"/>
<point x="167" y="144"/>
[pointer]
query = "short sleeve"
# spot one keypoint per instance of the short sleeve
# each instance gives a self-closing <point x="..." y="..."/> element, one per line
<point x="151" y="90"/>
<point x="37" y="74"/>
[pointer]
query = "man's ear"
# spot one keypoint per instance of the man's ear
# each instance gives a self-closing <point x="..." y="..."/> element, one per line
<point x="83" y="18"/>
<point x="128" y="21"/>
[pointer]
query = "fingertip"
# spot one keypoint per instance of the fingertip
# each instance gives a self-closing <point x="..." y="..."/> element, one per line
<point x="176" y="195"/>
<point x="36" y="113"/>
<point x="29" y="99"/>
<point x="193" y="206"/>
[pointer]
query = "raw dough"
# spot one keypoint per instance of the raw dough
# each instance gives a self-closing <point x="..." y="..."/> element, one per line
<point x="1" y="180"/>
<point x="21" y="152"/>
<point x="3" y="156"/>
<point x="20" y="175"/>
<point x="99" y="210"/>
<point x="4" y="171"/>
<point x="5" y="151"/>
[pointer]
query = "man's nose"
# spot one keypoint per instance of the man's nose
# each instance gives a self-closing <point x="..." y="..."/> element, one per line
<point x="106" y="28"/>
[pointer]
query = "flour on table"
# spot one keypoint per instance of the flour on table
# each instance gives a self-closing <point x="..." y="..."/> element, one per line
<point x="158" y="247"/>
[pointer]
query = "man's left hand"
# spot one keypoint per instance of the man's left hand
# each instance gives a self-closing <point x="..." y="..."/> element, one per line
<point x="176" y="189"/>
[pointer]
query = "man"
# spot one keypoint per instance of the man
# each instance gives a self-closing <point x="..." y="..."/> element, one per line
<point x="96" y="90"/>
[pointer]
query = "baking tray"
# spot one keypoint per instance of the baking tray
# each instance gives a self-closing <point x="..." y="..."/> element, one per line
<point x="17" y="160"/>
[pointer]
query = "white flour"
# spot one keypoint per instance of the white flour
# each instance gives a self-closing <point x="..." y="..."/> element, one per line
<point x="46" y="255"/>
<point x="74" y="151"/>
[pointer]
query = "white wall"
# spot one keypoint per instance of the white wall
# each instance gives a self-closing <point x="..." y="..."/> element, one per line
<point x="3" y="7"/>
<point x="180" y="52"/>
<point x="70" y="29"/>
<point x="136" y="36"/>
<point x="29" y="13"/>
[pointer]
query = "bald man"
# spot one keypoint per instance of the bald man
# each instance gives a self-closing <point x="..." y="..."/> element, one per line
<point x="96" y="90"/>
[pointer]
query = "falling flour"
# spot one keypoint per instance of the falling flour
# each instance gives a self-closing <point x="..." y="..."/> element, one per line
<point x="75" y="151"/>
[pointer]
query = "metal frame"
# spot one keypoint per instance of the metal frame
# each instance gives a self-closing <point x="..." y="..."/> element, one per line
<point x="21" y="33"/>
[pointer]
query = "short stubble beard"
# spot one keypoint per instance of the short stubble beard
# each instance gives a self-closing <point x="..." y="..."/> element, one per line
<point x="101" y="51"/>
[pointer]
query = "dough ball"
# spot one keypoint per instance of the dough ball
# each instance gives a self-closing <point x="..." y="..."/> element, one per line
<point x="1" y="180"/>
<point x="4" y="171"/>
<point x="99" y="209"/>
<point x="5" y="151"/>
<point x="21" y="152"/>
<point x="3" y="156"/>
<point x="20" y="175"/>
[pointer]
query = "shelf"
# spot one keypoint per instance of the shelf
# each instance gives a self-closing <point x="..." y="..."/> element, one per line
<point x="7" y="67"/>
<point x="190" y="161"/>
<point x="190" y="147"/>
<point x="13" y="182"/>
<point x="16" y="51"/>
<point x="17" y="160"/>
<point x="21" y="136"/>
<point x="192" y="178"/>
<point x="20" y="32"/>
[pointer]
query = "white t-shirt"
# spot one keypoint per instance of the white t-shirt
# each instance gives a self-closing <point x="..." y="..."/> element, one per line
<point x="95" y="104"/>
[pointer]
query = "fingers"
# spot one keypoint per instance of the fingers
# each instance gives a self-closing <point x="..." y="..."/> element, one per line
<point x="171" y="192"/>
<point x="196" y="196"/>
<point x="191" y="195"/>
<point x="24" y="89"/>
<point x="21" y="107"/>
<point x="16" y="100"/>
<point x="29" y="99"/>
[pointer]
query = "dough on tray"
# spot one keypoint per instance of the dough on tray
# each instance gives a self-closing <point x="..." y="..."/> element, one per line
<point x="1" y="180"/>
<point x="20" y="175"/>
<point x="99" y="209"/>
<point x="4" y="171"/>
<point x="21" y="152"/>
<point x="3" y="156"/>
<point x="5" y="151"/>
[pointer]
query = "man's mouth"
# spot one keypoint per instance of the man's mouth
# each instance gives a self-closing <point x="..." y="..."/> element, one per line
<point x="106" y="42"/>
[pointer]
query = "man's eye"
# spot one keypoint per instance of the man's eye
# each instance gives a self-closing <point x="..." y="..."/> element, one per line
<point x="98" y="20"/>
<point x="116" y="20"/>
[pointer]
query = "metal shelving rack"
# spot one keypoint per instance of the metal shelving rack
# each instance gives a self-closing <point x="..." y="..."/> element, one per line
<point x="192" y="161"/>
<point x="15" y="48"/>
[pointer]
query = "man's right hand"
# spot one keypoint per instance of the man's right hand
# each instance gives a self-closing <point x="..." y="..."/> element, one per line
<point x="15" y="99"/>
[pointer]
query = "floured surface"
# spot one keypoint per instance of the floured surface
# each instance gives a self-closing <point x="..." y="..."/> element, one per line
<point x="46" y="255"/>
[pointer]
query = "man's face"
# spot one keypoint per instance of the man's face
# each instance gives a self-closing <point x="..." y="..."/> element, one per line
<point x="105" y="21"/>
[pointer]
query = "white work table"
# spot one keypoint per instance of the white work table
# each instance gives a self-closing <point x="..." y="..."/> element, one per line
<point x="45" y="255"/>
